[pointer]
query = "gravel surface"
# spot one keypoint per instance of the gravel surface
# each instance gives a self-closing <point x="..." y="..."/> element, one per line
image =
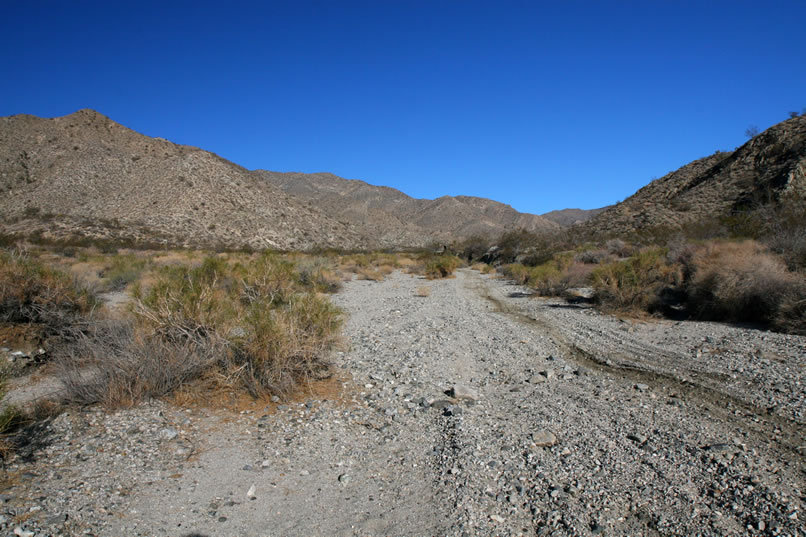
<point x="472" y="411"/>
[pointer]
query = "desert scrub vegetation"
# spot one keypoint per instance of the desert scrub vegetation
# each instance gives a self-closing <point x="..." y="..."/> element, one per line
<point x="742" y="281"/>
<point x="122" y="270"/>
<point x="33" y="293"/>
<point x="439" y="266"/>
<point x="634" y="284"/>
<point x="255" y="323"/>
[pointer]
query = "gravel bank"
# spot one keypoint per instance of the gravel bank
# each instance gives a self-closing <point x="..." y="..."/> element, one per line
<point x="471" y="411"/>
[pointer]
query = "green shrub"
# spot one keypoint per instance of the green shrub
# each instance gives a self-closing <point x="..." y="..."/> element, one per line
<point x="441" y="266"/>
<point x="634" y="284"/>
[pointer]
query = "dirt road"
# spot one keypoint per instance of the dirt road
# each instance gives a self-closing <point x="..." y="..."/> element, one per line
<point x="563" y="421"/>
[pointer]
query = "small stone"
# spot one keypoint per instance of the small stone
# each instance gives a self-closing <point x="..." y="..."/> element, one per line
<point x="452" y="410"/>
<point x="304" y="472"/>
<point x="497" y="518"/>
<point x="537" y="379"/>
<point x="641" y="387"/>
<point x="169" y="433"/>
<point x="275" y="399"/>
<point x="56" y="520"/>
<point x="247" y="467"/>
<point x="250" y="494"/>
<point x="22" y="533"/>
<point x="463" y="393"/>
<point x="548" y="373"/>
<point x="344" y="479"/>
<point x="222" y="519"/>
<point x="265" y="464"/>
<point x="637" y="438"/>
<point x="441" y="404"/>
<point x="543" y="438"/>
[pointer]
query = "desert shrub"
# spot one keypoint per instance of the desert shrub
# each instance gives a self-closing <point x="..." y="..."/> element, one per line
<point x="516" y="272"/>
<point x="473" y="248"/>
<point x="619" y="248"/>
<point x="593" y="257"/>
<point x="270" y="326"/>
<point x="33" y="293"/>
<point x="634" y="284"/>
<point x="369" y="273"/>
<point x="741" y="281"/>
<point x="440" y="266"/>
<point x="320" y="273"/>
<point x="546" y="279"/>
<point x="484" y="268"/>
<point x="791" y="314"/>
<point x="123" y="270"/>
<point x="115" y="365"/>
<point x="578" y="275"/>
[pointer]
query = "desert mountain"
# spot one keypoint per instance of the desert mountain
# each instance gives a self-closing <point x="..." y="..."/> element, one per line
<point x="767" y="169"/>
<point x="569" y="217"/>
<point x="394" y="219"/>
<point x="84" y="174"/>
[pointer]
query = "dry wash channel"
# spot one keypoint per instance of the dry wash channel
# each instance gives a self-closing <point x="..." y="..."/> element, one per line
<point x="573" y="423"/>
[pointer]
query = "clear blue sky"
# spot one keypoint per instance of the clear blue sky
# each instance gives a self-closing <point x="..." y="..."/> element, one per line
<point x="542" y="105"/>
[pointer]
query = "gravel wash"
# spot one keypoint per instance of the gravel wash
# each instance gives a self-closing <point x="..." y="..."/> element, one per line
<point x="473" y="411"/>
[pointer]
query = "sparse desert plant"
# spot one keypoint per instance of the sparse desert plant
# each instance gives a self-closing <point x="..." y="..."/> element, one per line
<point x="114" y="364"/>
<point x="441" y="266"/>
<point x="319" y="272"/>
<point x="33" y="293"/>
<point x="484" y="268"/>
<point x="369" y="273"/>
<point x="634" y="285"/>
<point x="123" y="270"/>
<point x="271" y="327"/>
<point x="516" y="272"/>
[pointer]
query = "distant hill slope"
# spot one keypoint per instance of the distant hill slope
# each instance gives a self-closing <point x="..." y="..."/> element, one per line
<point x="393" y="218"/>
<point x="569" y="217"/>
<point x="84" y="174"/>
<point x="766" y="169"/>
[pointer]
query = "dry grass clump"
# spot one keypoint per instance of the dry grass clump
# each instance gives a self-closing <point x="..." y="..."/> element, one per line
<point x="33" y="293"/>
<point x="742" y="281"/>
<point x="484" y="268"/>
<point x="255" y="324"/>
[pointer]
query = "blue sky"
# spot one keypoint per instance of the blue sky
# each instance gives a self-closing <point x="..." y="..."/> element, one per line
<point x="542" y="105"/>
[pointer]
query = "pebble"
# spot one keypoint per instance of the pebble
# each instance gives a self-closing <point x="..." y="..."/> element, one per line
<point x="251" y="493"/>
<point x="543" y="438"/>
<point x="463" y="393"/>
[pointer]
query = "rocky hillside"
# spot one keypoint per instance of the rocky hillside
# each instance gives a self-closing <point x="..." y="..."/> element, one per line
<point x="569" y="217"/>
<point x="394" y="219"/>
<point x="85" y="175"/>
<point x="767" y="169"/>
